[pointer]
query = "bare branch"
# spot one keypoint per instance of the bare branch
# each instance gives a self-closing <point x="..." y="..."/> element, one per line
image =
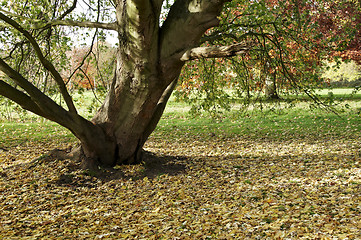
<point x="84" y="58"/>
<point x="216" y="52"/>
<point x="69" y="10"/>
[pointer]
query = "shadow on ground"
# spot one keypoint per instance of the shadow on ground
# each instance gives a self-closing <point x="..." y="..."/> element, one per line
<point x="151" y="167"/>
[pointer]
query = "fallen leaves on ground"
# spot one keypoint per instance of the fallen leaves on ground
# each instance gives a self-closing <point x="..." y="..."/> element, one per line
<point x="235" y="188"/>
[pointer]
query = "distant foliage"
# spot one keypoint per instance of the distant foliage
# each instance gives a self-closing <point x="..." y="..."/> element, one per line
<point x="90" y="67"/>
<point x="286" y="54"/>
<point x="344" y="74"/>
<point x="290" y="47"/>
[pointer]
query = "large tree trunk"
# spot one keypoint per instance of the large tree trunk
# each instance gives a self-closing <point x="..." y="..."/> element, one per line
<point x="148" y="65"/>
<point x="149" y="61"/>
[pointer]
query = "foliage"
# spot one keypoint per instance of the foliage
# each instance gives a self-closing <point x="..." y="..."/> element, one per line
<point x="90" y="68"/>
<point x="340" y="22"/>
<point x="53" y="42"/>
<point x="291" y="44"/>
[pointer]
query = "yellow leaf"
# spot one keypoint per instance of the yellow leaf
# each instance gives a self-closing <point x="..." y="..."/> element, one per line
<point x="279" y="235"/>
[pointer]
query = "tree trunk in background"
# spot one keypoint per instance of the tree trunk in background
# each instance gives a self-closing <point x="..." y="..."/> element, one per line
<point x="271" y="88"/>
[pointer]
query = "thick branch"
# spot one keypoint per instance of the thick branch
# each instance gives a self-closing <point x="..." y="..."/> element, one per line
<point x="156" y="5"/>
<point x="47" y="105"/>
<point x="87" y="24"/>
<point x="187" y="21"/>
<point x="47" y="64"/>
<point x="159" y="111"/>
<point x="216" y="52"/>
<point x="20" y="98"/>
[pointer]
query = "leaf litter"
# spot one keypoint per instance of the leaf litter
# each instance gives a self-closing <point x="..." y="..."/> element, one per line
<point x="194" y="188"/>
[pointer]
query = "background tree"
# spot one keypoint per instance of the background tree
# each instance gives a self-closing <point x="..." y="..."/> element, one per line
<point x="294" y="38"/>
<point x="339" y="22"/>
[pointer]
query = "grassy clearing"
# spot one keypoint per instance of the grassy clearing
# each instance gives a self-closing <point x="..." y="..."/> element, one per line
<point x="293" y="173"/>
<point x="15" y="134"/>
<point x="277" y="123"/>
<point x="340" y="93"/>
<point x="87" y="104"/>
<point x="337" y="94"/>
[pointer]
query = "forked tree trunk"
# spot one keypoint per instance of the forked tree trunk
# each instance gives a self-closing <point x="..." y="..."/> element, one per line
<point x="149" y="61"/>
<point x="148" y="65"/>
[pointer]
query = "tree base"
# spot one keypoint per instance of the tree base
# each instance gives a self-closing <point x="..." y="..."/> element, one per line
<point x="77" y="154"/>
<point x="81" y="172"/>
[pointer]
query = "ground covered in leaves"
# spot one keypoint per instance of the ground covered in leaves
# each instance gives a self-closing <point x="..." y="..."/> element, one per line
<point x="209" y="185"/>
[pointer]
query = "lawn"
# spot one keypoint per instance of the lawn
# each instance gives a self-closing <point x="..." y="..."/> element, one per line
<point x="289" y="173"/>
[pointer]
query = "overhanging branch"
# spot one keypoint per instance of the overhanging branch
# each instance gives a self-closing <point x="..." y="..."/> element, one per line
<point x="217" y="52"/>
<point x="86" y="24"/>
<point x="20" y="98"/>
<point x="45" y="105"/>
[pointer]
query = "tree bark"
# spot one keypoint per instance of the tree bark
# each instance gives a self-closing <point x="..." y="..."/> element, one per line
<point x="271" y="87"/>
<point x="148" y="65"/>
